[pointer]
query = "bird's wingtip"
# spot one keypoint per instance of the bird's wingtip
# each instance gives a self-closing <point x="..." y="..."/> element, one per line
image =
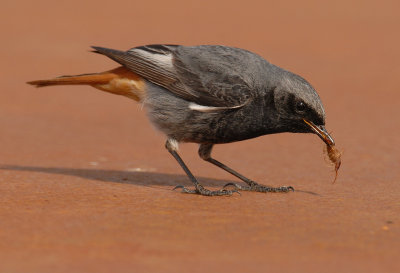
<point x="96" y="49"/>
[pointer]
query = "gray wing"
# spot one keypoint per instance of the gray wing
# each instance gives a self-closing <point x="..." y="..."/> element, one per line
<point x="217" y="76"/>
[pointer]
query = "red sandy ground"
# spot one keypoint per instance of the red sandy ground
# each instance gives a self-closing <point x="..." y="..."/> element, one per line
<point x="85" y="182"/>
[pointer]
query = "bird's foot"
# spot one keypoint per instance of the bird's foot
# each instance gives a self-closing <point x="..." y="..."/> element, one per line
<point x="253" y="186"/>
<point x="202" y="191"/>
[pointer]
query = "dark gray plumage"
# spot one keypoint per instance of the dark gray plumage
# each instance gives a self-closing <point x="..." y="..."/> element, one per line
<point x="216" y="94"/>
<point x="260" y="97"/>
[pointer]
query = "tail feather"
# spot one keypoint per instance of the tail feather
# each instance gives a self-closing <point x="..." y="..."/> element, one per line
<point x="119" y="81"/>
<point x="82" y="79"/>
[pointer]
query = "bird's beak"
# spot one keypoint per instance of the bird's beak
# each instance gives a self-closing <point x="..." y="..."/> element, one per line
<point x="321" y="132"/>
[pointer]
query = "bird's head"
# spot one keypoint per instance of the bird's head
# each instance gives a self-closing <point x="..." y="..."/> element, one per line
<point x="299" y="108"/>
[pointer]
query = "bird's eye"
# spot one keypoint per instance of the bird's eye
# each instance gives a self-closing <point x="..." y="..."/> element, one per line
<point x="300" y="106"/>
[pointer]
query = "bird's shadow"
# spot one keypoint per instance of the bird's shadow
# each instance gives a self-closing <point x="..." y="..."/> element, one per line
<point x="119" y="176"/>
<point x="148" y="179"/>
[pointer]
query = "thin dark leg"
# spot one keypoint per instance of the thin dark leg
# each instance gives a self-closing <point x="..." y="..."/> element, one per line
<point x="205" y="153"/>
<point x="199" y="189"/>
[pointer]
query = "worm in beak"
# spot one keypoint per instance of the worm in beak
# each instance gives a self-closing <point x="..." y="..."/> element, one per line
<point x="333" y="153"/>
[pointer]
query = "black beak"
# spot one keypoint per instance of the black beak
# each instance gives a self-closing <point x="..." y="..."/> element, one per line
<point x="321" y="132"/>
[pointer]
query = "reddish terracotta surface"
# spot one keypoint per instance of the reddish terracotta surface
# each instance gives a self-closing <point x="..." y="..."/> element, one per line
<point x="85" y="182"/>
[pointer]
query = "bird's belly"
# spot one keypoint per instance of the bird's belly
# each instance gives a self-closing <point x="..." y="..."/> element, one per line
<point x="172" y="115"/>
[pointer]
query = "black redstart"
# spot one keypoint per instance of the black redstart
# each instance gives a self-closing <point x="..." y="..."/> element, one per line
<point x="209" y="94"/>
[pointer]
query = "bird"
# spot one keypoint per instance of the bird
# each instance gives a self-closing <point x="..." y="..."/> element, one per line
<point x="209" y="94"/>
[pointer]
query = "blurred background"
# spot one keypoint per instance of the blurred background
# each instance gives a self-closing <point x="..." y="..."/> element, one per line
<point x="85" y="180"/>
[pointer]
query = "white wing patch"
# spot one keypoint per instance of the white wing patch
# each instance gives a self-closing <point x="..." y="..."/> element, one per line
<point x="162" y="60"/>
<point x="206" y="109"/>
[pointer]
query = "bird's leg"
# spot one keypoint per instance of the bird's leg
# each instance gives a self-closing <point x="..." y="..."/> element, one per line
<point x="171" y="146"/>
<point x="205" y="153"/>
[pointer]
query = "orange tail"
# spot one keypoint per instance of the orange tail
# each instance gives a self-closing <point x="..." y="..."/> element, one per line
<point x="118" y="81"/>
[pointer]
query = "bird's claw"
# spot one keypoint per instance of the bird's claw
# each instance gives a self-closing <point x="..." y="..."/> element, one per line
<point x="289" y="188"/>
<point x="259" y="188"/>
<point x="237" y="186"/>
<point x="178" y="187"/>
<point x="205" y="192"/>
